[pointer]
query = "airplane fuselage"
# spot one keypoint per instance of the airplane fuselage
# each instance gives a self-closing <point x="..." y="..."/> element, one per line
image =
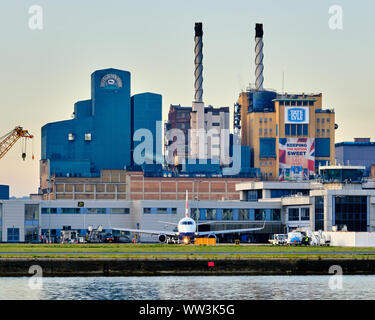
<point x="187" y="229"/>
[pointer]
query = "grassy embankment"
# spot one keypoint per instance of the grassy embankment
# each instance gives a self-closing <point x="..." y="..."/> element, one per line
<point x="181" y="251"/>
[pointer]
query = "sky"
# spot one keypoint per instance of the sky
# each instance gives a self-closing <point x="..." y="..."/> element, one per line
<point x="44" y="72"/>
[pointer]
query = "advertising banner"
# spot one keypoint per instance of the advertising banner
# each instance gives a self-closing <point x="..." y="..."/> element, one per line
<point x="296" y="158"/>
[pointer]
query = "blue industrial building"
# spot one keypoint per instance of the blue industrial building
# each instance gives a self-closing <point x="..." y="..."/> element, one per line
<point x="4" y="192"/>
<point x="360" y="152"/>
<point x="100" y="135"/>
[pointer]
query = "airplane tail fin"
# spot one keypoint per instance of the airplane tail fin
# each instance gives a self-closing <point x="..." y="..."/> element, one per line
<point x="187" y="207"/>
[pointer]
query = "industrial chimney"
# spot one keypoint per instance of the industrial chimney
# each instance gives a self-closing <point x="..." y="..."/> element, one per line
<point x="198" y="97"/>
<point x="259" y="56"/>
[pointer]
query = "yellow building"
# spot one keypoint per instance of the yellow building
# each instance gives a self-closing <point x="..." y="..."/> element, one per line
<point x="290" y="134"/>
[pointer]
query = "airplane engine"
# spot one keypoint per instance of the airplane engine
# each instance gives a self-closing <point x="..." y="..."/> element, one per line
<point x="162" y="238"/>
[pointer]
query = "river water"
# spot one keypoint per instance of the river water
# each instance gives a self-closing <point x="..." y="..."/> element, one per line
<point x="192" y="287"/>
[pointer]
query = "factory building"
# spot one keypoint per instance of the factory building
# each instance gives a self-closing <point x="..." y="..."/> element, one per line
<point x="360" y="152"/>
<point x="140" y="185"/>
<point x="205" y="128"/>
<point x="178" y="118"/>
<point x="100" y="135"/>
<point x="290" y="134"/>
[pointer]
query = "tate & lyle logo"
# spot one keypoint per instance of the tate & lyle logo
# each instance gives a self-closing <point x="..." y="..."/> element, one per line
<point x="296" y="115"/>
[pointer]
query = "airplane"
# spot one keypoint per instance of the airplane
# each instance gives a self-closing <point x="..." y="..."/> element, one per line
<point x="187" y="230"/>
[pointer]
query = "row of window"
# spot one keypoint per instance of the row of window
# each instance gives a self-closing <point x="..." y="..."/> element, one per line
<point x="322" y="120"/>
<point x="265" y="120"/>
<point x="266" y="131"/>
<point x="85" y="210"/>
<point x="296" y="103"/>
<point x="160" y="210"/>
<point x="322" y="130"/>
<point x="298" y="214"/>
<point x="236" y="214"/>
<point x="72" y="136"/>
<point x="296" y="129"/>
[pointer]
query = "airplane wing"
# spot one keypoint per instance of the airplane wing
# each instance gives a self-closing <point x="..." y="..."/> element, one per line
<point x="207" y="222"/>
<point x="171" y="223"/>
<point x="205" y="233"/>
<point x="168" y="233"/>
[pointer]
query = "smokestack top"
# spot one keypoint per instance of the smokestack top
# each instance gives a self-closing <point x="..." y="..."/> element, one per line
<point x="198" y="29"/>
<point x="259" y="30"/>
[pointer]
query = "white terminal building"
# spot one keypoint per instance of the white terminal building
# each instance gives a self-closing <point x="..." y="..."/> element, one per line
<point x="339" y="198"/>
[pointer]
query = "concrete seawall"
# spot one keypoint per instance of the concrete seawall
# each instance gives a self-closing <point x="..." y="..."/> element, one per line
<point x="164" y="267"/>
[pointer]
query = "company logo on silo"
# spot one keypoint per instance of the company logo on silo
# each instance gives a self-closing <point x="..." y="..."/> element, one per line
<point x="296" y="115"/>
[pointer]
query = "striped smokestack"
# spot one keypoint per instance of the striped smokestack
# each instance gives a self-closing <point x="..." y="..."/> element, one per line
<point x="198" y="97"/>
<point x="259" y="56"/>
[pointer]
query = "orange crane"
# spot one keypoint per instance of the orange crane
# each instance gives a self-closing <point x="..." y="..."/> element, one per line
<point x="8" y="141"/>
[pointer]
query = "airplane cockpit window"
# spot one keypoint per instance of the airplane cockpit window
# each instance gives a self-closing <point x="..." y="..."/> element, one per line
<point x="187" y="222"/>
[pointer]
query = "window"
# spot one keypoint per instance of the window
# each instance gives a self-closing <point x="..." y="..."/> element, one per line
<point x="293" y="129"/>
<point x="146" y="210"/>
<point x="318" y="130"/>
<point x="87" y="136"/>
<point x="227" y="214"/>
<point x="13" y="234"/>
<point x="265" y="120"/>
<point x="243" y="214"/>
<point x="328" y="120"/>
<point x="31" y="235"/>
<point x="299" y="103"/>
<point x="194" y="213"/>
<point x="305" y="214"/>
<point x="287" y="129"/>
<point x="211" y="214"/>
<point x="31" y="212"/>
<point x="162" y="211"/>
<point x="96" y="210"/>
<point x="215" y="113"/>
<point x="71" y="136"/>
<point x="305" y="129"/>
<point x="351" y="211"/>
<point x="49" y="210"/>
<point x="299" y="129"/>
<point x="318" y="120"/>
<point x="174" y="210"/>
<point x="260" y="120"/>
<point x="120" y="211"/>
<point x="260" y="214"/>
<point x="319" y="213"/>
<point x="216" y="124"/>
<point x="265" y="130"/>
<point x="322" y="120"/>
<point x="260" y="131"/>
<point x="323" y="130"/>
<point x="293" y="103"/>
<point x="293" y="214"/>
<point x="305" y="103"/>
<point x="275" y="214"/>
